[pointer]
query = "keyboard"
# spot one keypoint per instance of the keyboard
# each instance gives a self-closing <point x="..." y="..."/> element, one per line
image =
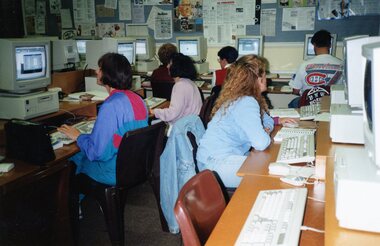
<point x="199" y="83"/>
<point x="309" y="112"/>
<point x="284" y="112"/>
<point x="85" y="127"/>
<point x="275" y="218"/>
<point x="152" y="102"/>
<point x="287" y="132"/>
<point x="286" y="88"/>
<point x="297" y="149"/>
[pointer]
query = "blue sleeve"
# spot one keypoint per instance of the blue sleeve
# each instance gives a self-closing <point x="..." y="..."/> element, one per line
<point x="248" y="118"/>
<point x="94" y="144"/>
<point x="268" y="122"/>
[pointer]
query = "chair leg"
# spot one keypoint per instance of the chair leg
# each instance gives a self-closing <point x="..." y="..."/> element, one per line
<point x="114" y="215"/>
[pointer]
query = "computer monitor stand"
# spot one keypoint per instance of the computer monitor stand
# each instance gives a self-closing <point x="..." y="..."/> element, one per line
<point x="202" y="68"/>
<point x="145" y="66"/>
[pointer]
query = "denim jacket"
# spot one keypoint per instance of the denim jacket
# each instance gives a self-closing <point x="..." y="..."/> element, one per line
<point x="177" y="164"/>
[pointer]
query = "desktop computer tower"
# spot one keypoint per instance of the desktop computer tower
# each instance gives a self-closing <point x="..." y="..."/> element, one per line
<point x="357" y="189"/>
<point x="28" y="106"/>
<point x="346" y="124"/>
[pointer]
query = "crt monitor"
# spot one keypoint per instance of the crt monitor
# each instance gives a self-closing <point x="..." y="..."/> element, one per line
<point x="371" y="104"/>
<point x="25" y="65"/>
<point x="249" y="45"/>
<point x="65" y="54"/>
<point x="145" y="48"/>
<point x="308" y="50"/>
<point x="81" y="45"/>
<point x="127" y="47"/>
<point x="96" y="48"/>
<point x="354" y="65"/>
<point x="193" y="46"/>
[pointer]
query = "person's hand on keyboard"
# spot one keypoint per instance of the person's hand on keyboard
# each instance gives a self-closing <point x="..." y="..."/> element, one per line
<point x="291" y="121"/>
<point x="69" y="131"/>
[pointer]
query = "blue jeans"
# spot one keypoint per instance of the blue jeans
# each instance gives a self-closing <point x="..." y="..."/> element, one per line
<point x="226" y="169"/>
<point x="295" y="103"/>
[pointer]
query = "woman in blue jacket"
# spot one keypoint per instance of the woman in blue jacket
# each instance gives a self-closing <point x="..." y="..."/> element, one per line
<point x="240" y="121"/>
<point x="122" y="111"/>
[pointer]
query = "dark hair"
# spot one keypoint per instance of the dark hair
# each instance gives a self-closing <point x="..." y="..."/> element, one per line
<point x="116" y="71"/>
<point x="229" y="53"/>
<point x="182" y="66"/>
<point x="165" y="52"/>
<point x="322" y="38"/>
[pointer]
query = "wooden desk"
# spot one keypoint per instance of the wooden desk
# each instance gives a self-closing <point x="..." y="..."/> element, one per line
<point x="34" y="207"/>
<point x="233" y="218"/>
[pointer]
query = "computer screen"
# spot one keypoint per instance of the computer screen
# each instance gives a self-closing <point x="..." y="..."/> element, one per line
<point x="81" y="45"/>
<point x="193" y="46"/>
<point x="65" y="54"/>
<point x="354" y="66"/>
<point x="25" y="65"/>
<point x="309" y="47"/>
<point x="145" y="48"/>
<point x="249" y="45"/>
<point x="127" y="49"/>
<point x="371" y="103"/>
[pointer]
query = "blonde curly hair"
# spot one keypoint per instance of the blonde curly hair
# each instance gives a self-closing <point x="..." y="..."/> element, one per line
<point x="242" y="80"/>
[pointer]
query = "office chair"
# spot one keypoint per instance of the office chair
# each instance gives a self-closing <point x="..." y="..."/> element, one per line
<point x="162" y="89"/>
<point x="198" y="208"/>
<point x="314" y="95"/>
<point x="207" y="106"/>
<point x="134" y="165"/>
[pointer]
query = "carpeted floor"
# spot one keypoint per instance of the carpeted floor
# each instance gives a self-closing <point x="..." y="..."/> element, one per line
<point x="141" y="218"/>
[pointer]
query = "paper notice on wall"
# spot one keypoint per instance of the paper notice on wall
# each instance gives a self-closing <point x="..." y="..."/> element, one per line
<point x="268" y="22"/>
<point x="125" y="12"/>
<point x="66" y="18"/>
<point x="163" y="25"/>
<point x="298" y="19"/>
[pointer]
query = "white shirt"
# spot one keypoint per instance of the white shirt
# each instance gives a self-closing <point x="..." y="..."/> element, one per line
<point x="321" y="70"/>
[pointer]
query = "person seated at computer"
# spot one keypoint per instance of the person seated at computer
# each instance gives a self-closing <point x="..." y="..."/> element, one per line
<point x="322" y="70"/>
<point x="239" y="122"/>
<point x="226" y="56"/>
<point x="161" y="74"/>
<point x="122" y="111"/>
<point x="185" y="97"/>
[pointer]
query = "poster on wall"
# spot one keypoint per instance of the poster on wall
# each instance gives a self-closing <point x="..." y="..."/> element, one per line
<point x="188" y="15"/>
<point x="332" y="9"/>
<point x="296" y="3"/>
<point x="111" y="30"/>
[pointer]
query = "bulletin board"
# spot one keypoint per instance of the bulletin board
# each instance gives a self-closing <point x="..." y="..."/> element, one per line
<point x="353" y="25"/>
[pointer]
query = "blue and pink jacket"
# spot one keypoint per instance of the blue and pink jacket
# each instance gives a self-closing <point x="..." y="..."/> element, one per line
<point x="122" y="111"/>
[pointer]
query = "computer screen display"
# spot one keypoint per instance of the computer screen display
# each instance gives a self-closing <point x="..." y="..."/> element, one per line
<point x="247" y="46"/>
<point x="127" y="50"/>
<point x="141" y="47"/>
<point x="309" y="47"/>
<point x="30" y="62"/>
<point x="81" y="45"/>
<point x="188" y="47"/>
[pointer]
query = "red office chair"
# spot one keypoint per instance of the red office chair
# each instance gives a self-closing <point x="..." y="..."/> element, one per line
<point x="199" y="206"/>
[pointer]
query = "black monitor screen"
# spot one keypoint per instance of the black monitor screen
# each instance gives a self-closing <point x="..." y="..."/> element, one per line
<point x="30" y="62"/>
<point x="367" y="93"/>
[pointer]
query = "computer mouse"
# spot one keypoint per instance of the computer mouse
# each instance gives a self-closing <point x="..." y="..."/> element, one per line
<point x="290" y="124"/>
<point x="293" y="180"/>
<point x="279" y="168"/>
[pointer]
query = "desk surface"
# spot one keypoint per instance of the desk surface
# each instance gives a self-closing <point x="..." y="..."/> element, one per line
<point x="233" y="218"/>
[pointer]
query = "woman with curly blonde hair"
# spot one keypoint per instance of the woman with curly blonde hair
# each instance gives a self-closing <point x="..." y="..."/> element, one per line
<point x="239" y="121"/>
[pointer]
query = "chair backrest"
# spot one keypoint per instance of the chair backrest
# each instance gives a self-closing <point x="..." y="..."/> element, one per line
<point x="207" y="106"/>
<point x="136" y="155"/>
<point x="162" y="89"/>
<point x="314" y="95"/>
<point x="199" y="206"/>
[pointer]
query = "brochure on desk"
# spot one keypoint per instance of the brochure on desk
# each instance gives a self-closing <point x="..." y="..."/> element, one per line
<point x="90" y="95"/>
